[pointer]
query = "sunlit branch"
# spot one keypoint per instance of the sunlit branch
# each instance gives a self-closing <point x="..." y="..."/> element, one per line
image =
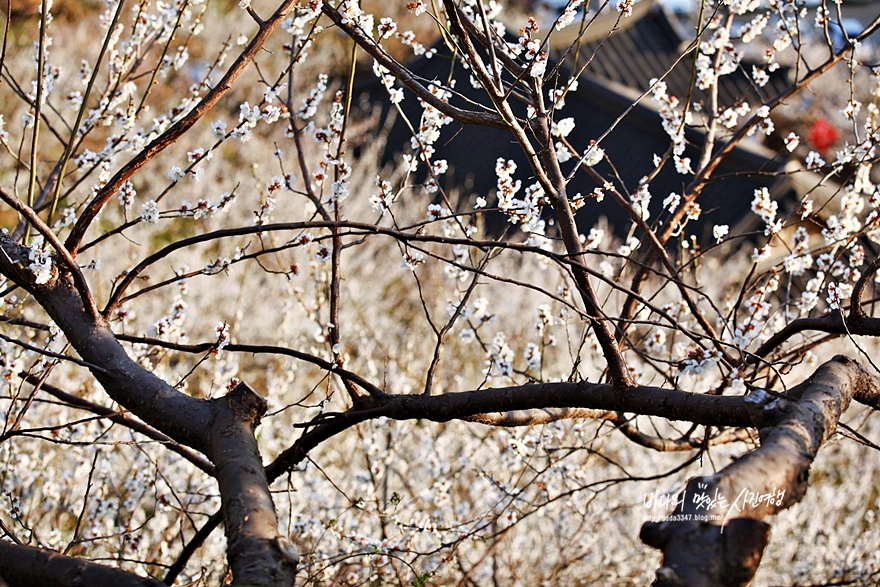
<point x="792" y="432"/>
<point x="170" y="136"/>
<point x="617" y="366"/>
<point x="61" y="166"/>
<point x="538" y="416"/>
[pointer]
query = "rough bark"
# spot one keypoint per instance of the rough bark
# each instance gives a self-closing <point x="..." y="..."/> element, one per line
<point x="257" y="554"/>
<point x="539" y="416"/>
<point x="716" y="536"/>
<point x="26" y="566"/>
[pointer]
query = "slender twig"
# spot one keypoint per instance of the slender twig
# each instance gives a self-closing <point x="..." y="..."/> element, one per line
<point x="257" y="348"/>
<point x="68" y="150"/>
<point x="190" y="547"/>
<point x="82" y="513"/>
<point x="170" y="136"/>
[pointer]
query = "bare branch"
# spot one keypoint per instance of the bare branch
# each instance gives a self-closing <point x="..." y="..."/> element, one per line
<point x="189" y="549"/>
<point x="672" y="404"/>
<point x="123" y="420"/>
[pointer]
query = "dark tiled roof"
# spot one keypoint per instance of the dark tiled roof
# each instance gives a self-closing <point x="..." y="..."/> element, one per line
<point x="649" y="45"/>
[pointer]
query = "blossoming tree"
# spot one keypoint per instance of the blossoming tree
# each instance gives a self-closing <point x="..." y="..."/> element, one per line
<point x="215" y="314"/>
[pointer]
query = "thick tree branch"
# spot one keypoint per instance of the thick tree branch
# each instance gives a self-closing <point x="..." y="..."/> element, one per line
<point x="26" y="566"/>
<point x="538" y="416"/>
<point x="710" y="410"/>
<point x="599" y="399"/>
<point x="726" y="549"/>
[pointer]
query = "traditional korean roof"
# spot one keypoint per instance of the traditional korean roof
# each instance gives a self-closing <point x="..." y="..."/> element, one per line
<point x="651" y="44"/>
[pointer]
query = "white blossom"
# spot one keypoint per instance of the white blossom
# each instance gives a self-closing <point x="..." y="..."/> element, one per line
<point x="412" y="260"/>
<point x="814" y="160"/>
<point x="594" y="155"/>
<point x="671" y="202"/>
<point x="150" y="212"/>
<point x="40" y="258"/>
<point x="176" y="174"/>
